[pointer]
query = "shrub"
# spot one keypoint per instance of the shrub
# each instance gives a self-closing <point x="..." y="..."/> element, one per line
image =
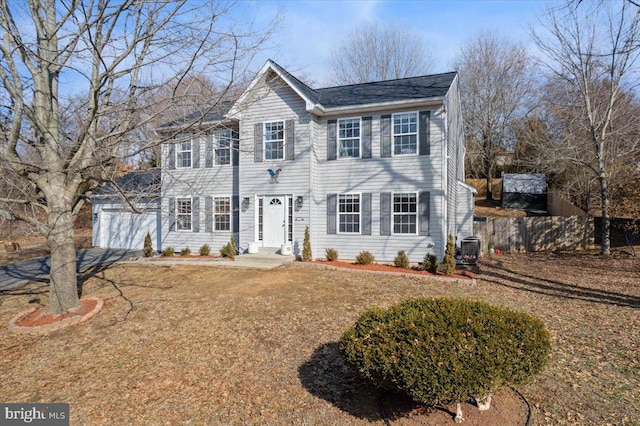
<point x="168" y="251"/>
<point x="148" y="248"/>
<point x="185" y="251"/>
<point x="441" y="351"/>
<point x="430" y="263"/>
<point x="401" y="260"/>
<point x="448" y="265"/>
<point x="365" y="258"/>
<point x="331" y="254"/>
<point x="229" y="249"/>
<point x="306" y="246"/>
<point x="205" y="250"/>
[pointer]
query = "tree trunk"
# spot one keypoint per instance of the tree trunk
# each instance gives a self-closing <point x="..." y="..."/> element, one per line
<point x="63" y="288"/>
<point x="605" y="245"/>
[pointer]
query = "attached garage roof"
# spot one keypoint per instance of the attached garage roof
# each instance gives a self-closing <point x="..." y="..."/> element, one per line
<point x="138" y="183"/>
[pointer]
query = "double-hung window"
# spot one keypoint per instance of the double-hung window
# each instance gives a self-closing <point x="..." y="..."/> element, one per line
<point x="349" y="213"/>
<point x="183" y="214"/>
<point x="222" y="213"/>
<point x="183" y="154"/>
<point x="349" y="138"/>
<point x="405" y="133"/>
<point x="405" y="213"/>
<point x="274" y="140"/>
<point x="223" y="146"/>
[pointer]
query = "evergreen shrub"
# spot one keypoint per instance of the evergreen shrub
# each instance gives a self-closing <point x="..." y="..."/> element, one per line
<point x="365" y="258"/>
<point x="430" y="263"/>
<point x="401" y="260"/>
<point x="331" y="254"/>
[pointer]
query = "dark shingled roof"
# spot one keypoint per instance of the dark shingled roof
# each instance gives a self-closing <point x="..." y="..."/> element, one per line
<point x="140" y="182"/>
<point x="302" y="87"/>
<point x="205" y="115"/>
<point x="427" y="86"/>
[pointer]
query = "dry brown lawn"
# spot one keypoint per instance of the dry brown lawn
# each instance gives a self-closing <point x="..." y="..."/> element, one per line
<point x="207" y="345"/>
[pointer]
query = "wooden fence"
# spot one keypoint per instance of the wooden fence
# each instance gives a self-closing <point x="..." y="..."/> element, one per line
<point x="540" y="233"/>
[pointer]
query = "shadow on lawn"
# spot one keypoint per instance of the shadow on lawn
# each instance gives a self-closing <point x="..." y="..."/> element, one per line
<point x="499" y="275"/>
<point x="325" y="376"/>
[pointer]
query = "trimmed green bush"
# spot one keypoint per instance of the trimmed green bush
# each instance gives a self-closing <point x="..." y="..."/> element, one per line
<point x="205" y="250"/>
<point x="229" y="249"/>
<point x="442" y="351"/>
<point x="331" y="254"/>
<point x="448" y="265"/>
<point x="365" y="258"/>
<point x="401" y="260"/>
<point x="168" y="251"/>
<point x="306" y="246"/>
<point x="148" y="248"/>
<point x="185" y="251"/>
<point x="430" y="263"/>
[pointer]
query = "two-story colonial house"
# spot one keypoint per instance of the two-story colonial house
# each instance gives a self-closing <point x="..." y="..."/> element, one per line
<point x="374" y="166"/>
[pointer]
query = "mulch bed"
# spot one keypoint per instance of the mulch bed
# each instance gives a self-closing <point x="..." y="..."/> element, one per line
<point x="378" y="267"/>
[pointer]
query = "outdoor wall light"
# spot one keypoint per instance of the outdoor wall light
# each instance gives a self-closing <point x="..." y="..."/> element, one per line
<point x="299" y="202"/>
<point x="246" y="202"/>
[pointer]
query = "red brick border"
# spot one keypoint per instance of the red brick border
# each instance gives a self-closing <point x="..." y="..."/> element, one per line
<point x="66" y="322"/>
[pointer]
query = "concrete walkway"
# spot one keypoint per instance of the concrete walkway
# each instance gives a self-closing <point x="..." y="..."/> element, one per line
<point x="266" y="258"/>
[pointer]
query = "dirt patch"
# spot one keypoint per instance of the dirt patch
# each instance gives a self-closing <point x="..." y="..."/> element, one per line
<point x="493" y="208"/>
<point x="206" y="345"/>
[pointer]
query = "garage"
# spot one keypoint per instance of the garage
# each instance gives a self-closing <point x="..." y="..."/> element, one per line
<point x="126" y="230"/>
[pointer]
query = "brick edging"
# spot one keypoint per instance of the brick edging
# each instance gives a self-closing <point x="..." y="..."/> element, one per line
<point x="76" y="319"/>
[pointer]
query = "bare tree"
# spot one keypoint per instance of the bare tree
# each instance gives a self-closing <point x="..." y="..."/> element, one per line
<point x="496" y="83"/>
<point x="380" y="52"/>
<point x="593" y="48"/>
<point x="110" y="56"/>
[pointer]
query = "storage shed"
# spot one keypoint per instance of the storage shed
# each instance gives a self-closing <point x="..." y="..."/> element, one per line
<point x="524" y="192"/>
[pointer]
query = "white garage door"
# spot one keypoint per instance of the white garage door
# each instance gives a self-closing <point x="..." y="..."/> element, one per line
<point x="126" y="230"/>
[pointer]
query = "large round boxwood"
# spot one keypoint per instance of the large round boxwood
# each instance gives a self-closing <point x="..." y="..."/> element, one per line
<point x="441" y="351"/>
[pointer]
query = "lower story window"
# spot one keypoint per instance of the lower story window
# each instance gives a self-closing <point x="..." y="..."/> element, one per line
<point x="405" y="213"/>
<point x="183" y="214"/>
<point x="222" y="213"/>
<point x="349" y="213"/>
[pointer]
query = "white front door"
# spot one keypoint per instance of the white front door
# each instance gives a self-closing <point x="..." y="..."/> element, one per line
<point x="274" y="221"/>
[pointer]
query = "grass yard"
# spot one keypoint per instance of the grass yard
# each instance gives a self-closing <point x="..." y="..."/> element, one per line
<point x="203" y="345"/>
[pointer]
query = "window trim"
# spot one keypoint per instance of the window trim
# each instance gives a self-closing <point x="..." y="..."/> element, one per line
<point x="216" y="146"/>
<point x="417" y="213"/>
<point x="214" y="213"/>
<point x="393" y="134"/>
<point x="338" y="195"/>
<point x="177" y="222"/>
<point x="264" y="140"/>
<point x="338" y="139"/>
<point x="179" y="151"/>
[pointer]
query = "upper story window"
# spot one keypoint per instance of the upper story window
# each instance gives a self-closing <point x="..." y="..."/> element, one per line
<point x="405" y="213"/>
<point x="223" y="146"/>
<point x="349" y="213"/>
<point x="405" y="133"/>
<point x="349" y="138"/>
<point x="183" y="154"/>
<point x="274" y="140"/>
<point x="183" y="214"/>
<point x="222" y="213"/>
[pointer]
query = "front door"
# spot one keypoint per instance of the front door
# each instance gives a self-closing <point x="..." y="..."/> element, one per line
<point x="274" y="221"/>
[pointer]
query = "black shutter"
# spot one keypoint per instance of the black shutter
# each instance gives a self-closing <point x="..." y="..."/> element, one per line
<point x="385" y="136"/>
<point x="257" y="143"/>
<point x="235" y="216"/>
<point x="366" y="137"/>
<point x="332" y="199"/>
<point x="425" y="133"/>
<point x="289" y="140"/>
<point x="332" y="141"/>
<point x="424" y="213"/>
<point x="172" y="156"/>
<point x="366" y="214"/>
<point x="195" y="214"/>
<point x="208" y="152"/>
<point x="235" y="148"/>
<point x="208" y="214"/>
<point x="172" y="214"/>
<point x="385" y="213"/>
<point x="195" y="152"/>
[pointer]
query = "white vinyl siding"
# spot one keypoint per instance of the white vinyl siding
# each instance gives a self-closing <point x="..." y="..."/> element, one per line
<point x="222" y="140"/>
<point x="183" y="214"/>
<point x="405" y="133"/>
<point x="349" y="138"/>
<point x="405" y="213"/>
<point x="222" y="213"/>
<point x="274" y="140"/>
<point x="349" y="213"/>
<point x="183" y="155"/>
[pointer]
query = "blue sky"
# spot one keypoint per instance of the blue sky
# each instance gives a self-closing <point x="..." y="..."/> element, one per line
<point x="310" y="30"/>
